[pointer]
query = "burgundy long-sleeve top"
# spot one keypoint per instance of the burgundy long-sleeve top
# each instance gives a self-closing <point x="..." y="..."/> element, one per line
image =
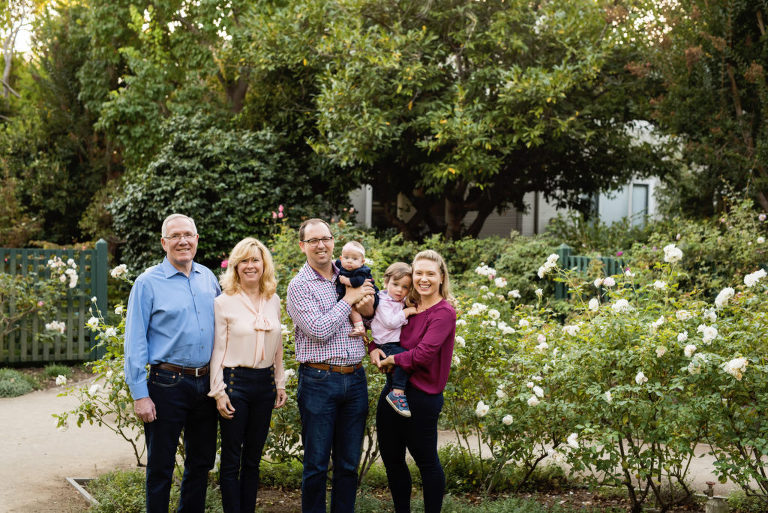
<point x="428" y="340"/>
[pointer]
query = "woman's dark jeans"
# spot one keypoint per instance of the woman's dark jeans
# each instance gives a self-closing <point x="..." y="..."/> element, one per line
<point x="419" y="435"/>
<point x="252" y="394"/>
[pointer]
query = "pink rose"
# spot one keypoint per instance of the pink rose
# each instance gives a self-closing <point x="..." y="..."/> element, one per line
<point x="224" y="264"/>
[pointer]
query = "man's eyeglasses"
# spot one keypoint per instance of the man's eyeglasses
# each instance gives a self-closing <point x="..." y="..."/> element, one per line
<point x="176" y="237"/>
<point x="315" y="242"/>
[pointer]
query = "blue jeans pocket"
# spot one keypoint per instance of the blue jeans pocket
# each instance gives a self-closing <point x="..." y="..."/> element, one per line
<point x="164" y="378"/>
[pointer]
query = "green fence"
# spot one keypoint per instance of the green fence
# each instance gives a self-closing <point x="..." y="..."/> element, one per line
<point x="77" y="343"/>
<point x="580" y="264"/>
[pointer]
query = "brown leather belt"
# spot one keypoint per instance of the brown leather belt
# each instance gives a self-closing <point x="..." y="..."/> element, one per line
<point x="343" y="369"/>
<point x="191" y="371"/>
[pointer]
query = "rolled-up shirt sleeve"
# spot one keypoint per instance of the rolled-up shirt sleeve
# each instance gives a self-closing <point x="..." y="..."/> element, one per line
<point x="305" y="311"/>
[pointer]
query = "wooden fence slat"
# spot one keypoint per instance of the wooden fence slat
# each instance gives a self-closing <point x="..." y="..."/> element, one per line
<point x="76" y="343"/>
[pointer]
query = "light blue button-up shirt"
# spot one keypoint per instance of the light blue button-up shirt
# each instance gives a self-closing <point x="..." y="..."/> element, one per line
<point x="169" y="319"/>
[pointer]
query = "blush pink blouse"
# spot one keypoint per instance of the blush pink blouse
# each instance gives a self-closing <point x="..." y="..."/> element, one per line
<point x="246" y="335"/>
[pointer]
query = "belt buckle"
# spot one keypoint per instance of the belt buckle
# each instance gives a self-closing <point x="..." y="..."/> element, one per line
<point x="197" y="369"/>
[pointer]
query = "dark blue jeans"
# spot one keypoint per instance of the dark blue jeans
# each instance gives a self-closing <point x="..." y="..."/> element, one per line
<point x="333" y="409"/>
<point x="418" y="434"/>
<point x="398" y="378"/>
<point x="252" y="394"/>
<point x="181" y="403"/>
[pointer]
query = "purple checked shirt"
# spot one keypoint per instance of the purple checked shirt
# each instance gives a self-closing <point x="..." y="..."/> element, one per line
<point x="321" y="321"/>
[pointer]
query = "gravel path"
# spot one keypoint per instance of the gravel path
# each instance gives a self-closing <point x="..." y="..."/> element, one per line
<point x="37" y="457"/>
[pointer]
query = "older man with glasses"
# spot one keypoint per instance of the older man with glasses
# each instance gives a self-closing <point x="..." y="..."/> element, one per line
<point x="333" y="390"/>
<point x="169" y="326"/>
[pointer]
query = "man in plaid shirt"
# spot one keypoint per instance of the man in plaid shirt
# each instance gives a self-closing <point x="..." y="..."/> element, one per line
<point x="333" y="390"/>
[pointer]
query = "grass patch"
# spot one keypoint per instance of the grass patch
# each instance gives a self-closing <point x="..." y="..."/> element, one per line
<point x="56" y="369"/>
<point x="14" y="383"/>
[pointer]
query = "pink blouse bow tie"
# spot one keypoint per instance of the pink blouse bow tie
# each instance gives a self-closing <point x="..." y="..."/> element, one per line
<point x="261" y="323"/>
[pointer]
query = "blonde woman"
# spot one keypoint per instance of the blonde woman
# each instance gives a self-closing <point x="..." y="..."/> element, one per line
<point x="247" y="376"/>
<point x="428" y="342"/>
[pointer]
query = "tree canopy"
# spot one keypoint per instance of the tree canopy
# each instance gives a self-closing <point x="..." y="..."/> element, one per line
<point x="461" y="107"/>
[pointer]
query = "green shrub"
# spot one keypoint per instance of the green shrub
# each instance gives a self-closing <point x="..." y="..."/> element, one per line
<point x="53" y="370"/>
<point x="123" y="491"/>
<point x="14" y="383"/>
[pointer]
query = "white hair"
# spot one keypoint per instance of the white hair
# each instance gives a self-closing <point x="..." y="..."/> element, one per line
<point x="176" y="216"/>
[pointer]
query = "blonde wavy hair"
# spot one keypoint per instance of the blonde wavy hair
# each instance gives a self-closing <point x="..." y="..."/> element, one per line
<point x="445" y="286"/>
<point x="243" y="250"/>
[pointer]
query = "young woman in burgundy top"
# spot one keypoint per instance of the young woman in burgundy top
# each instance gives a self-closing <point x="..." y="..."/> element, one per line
<point x="428" y="340"/>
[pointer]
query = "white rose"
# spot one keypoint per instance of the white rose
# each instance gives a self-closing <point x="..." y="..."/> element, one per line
<point x="660" y="351"/>
<point x="93" y="323"/>
<point x="533" y="401"/>
<point x="598" y="283"/>
<point x="110" y="332"/>
<point x="94" y="389"/>
<point x="119" y="309"/>
<point x="683" y="315"/>
<point x="621" y="306"/>
<point x="572" y="440"/>
<point x="481" y="410"/>
<point x="500" y="282"/>
<point x="460" y="341"/>
<point x="659" y="285"/>
<point x="672" y="253"/>
<point x="736" y="367"/>
<point x="751" y="279"/>
<point x="501" y="394"/>
<point x="640" y="378"/>
<point x="514" y="294"/>
<point x="538" y="391"/>
<point x="523" y="323"/>
<point x="609" y="282"/>
<point x="608" y="397"/>
<point x="689" y="350"/>
<point x="682" y="337"/>
<point x="724" y="296"/>
<point x="507" y="420"/>
<point x="594" y="304"/>
<point x="461" y="322"/>
<point x="493" y="314"/>
<point x="61" y="380"/>
<point x="539" y="292"/>
<point x="709" y="334"/>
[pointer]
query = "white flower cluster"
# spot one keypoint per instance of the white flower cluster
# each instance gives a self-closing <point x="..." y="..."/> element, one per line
<point x="507" y="420"/>
<point x="461" y="322"/>
<point x="661" y="351"/>
<point x="659" y="285"/>
<point x="672" y="253"/>
<point x="119" y="271"/>
<point x="61" y="380"/>
<point x="572" y="441"/>
<point x="549" y="265"/>
<point x="482" y="409"/>
<point x="94" y="389"/>
<point x="683" y="315"/>
<point x="571" y="329"/>
<point x="604" y="282"/>
<point x="689" y="350"/>
<point x="484" y="270"/>
<point x="697" y="363"/>
<point x="93" y="323"/>
<point x="289" y="373"/>
<point x="682" y="337"/>
<point x="477" y="309"/>
<point x="68" y="270"/>
<point x="460" y="341"/>
<point x="543" y="346"/>
<point x="621" y="306"/>
<point x="500" y="282"/>
<point x="59" y="326"/>
<point x="505" y="328"/>
<point x="736" y="367"/>
<point x="724" y="296"/>
<point x="594" y="304"/>
<point x="640" y="378"/>
<point x="751" y="279"/>
<point x="119" y="309"/>
<point x="657" y="323"/>
<point x="708" y="333"/>
<point x="514" y="294"/>
<point x="709" y="314"/>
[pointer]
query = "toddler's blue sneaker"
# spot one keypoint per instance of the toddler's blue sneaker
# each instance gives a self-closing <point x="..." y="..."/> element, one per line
<point x="399" y="403"/>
